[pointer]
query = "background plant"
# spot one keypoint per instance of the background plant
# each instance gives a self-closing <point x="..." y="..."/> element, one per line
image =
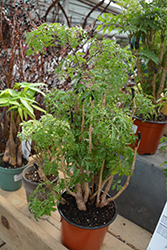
<point x="20" y="102"/>
<point x="145" y="24"/>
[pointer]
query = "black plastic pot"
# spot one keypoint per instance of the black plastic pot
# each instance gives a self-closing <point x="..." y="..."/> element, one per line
<point x="76" y="237"/>
<point x="31" y="186"/>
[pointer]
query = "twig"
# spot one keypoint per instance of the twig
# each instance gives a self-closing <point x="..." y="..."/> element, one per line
<point x="62" y="9"/>
<point x="95" y="7"/>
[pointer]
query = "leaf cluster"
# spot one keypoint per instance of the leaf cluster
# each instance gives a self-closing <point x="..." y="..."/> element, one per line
<point x="21" y="99"/>
<point x="49" y="134"/>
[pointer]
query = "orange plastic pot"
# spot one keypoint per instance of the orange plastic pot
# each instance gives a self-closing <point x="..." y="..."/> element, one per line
<point x="151" y="133"/>
<point x="76" y="237"/>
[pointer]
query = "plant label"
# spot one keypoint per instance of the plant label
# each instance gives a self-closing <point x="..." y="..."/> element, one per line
<point x="26" y="148"/>
<point x="17" y="177"/>
<point x="134" y="128"/>
<point x="159" y="238"/>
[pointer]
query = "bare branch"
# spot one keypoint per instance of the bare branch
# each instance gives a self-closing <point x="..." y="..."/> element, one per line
<point x="69" y="25"/>
<point x="95" y="7"/>
<point x="49" y="9"/>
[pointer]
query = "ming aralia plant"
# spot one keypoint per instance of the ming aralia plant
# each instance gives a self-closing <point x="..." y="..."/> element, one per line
<point x="146" y="27"/>
<point x="20" y="101"/>
<point x="98" y="132"/>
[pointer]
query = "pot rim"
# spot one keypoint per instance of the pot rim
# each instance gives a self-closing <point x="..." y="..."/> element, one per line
<point x="14" y="169"/>
<point x="156" y="122"/>
<point x="88" y="228"/>
<point x="35" y="183"/>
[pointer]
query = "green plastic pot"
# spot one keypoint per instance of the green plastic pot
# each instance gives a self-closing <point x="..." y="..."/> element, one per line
<point x="11" y="179"/>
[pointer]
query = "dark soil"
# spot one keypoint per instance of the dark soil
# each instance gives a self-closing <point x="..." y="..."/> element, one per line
<point x="161" y="117"/>
<point x="93" y="217"/>
<point x="33" y="176"/>
<point x="9" y="166"/>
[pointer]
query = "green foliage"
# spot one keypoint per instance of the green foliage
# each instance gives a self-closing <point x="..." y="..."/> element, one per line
<point x="48" y="133"/>
<point x="86" y="128"/>
<point x="21" y="99"/>
<point x="87" y="59"/>
<point x="146" y="27"/>
<point x="145" y="107"/>
<point x="42" y="206"/>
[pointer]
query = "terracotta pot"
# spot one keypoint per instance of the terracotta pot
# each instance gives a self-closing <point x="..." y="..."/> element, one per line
<point x="30" y="186"/>
<point x="76" y="237"/>
<point x="151" y="133"/>
<point x="164" y="110"/>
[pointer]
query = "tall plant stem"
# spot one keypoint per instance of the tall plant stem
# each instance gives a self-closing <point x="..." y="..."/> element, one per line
<point x="90" y="129"/>
<point x="83" y="121"/>
<point x="100" y="183"/>
<point x="86" y="184"/>
<point x="162" y="81"/>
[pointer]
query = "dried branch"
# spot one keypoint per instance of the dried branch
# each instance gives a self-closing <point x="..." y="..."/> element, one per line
<point x="95" y="7"/>
<point x="49" y="9"/>
<point x="93" y="25"/>
<point x="68" y="22"/>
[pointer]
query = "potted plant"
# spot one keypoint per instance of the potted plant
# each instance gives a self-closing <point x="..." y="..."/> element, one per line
<point x="145" y="24"/>
<point x="20" y="103"/>
<point x="94" y="135"/>
<point x="46" y="134"/>
<point x="149" y="120"/>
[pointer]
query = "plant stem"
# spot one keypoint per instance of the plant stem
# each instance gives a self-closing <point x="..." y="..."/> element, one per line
<point x="99" y="185"/>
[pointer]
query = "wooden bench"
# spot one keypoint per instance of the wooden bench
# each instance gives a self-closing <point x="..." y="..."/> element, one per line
<point x="19" y="229"/>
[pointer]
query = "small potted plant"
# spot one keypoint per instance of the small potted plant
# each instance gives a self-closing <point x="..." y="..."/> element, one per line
<point x="47" y="134"/>
<point x="94" y="134"/>
<point x="20" y="103"/>
<point x="145" y="24"/>
<point x="148" y="119"/>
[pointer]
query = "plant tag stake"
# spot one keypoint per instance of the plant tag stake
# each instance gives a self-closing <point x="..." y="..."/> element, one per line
<point x="17" y="177"/>
<point x="26" y="148"/>
<point x="159" y="238"/>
